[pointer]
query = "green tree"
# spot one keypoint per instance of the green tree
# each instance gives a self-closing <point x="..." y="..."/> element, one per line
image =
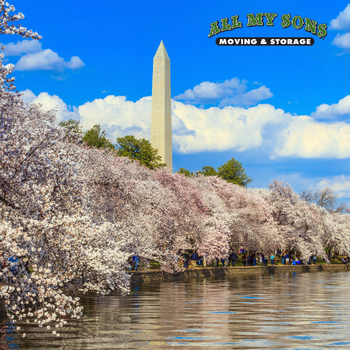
<point x="232" y="171"/>
<point x="140" y="149"/>
<point x="97" y="138"/>
<point x="208" y="171"/>
<point x="185" y="172"/>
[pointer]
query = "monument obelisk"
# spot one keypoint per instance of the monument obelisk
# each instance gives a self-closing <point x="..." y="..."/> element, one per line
<point x="161" y="138"/>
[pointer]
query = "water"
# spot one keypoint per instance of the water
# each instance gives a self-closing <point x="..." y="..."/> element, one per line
<point x="282" y="311"/>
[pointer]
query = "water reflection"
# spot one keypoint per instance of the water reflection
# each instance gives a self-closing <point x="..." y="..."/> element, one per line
<point x="283" y="311"/>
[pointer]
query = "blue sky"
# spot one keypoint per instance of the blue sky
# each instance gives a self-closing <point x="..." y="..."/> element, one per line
<point x="283" y="112"/>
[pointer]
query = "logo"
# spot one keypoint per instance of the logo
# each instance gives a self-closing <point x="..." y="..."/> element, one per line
<point x="268" y="19"/>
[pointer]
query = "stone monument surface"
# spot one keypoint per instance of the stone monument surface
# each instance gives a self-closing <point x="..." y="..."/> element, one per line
<point x="161" y="134"/>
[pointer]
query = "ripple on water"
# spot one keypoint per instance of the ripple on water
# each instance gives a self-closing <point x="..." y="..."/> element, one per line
<point x="285" y="311"/>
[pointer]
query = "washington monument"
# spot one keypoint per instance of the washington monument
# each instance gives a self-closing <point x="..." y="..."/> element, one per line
<point x="161" y="138"/>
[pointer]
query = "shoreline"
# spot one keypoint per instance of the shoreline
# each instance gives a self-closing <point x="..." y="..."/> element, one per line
<point x="146" y="276"/>
<point x="156" y="275"/>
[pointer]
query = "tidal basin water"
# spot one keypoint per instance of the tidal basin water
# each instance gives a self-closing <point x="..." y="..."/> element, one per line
<point x="282" y="311"/>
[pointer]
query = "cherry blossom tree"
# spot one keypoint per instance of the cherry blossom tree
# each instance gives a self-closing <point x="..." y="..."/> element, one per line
<point x="71" y="215"/>
<point x="49" y="236"/>
<point x="336" y="232"/>
<point x="161" y="211"/>
<point x="48" y="227"/>
<point x="244" y="216"/>
<point x="299" y="224"/>
<point x="7" y="27"/>
<point x="216" y="242"/>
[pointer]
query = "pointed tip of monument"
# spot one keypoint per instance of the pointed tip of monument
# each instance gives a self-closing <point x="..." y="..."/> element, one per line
<point x="161" y="52"/>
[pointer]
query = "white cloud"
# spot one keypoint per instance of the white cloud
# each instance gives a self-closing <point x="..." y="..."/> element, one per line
<point x="230" y="92"/>
<point x="229" y="128"/>
<point x="219" y="129"/>
<point x="118" y="116"/>
<point x="273" y="131"/>
<point x="28" y="95"/>
<point x="47" y="60"/>
<point x="249" y="98"/>
<point x="213" y="91"/>
<point x="339" y="184"/>
<point x="342" y="41"/>
<point x="49" y="102"/>
<point x="21" y="47"/>
<point x="304" y="137"/>
<point x="336" y="111"/>
<point x="75" y="63"/>
<point x="342" y="22"/>
<point x="194" y="129"/>
<point x="35" y="58"/>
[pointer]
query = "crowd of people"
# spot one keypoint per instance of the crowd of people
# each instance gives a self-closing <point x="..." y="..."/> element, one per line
<point x="191" y="259"/>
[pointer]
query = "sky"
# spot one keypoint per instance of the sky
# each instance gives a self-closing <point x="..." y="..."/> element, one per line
<point x="281" y="111"/>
